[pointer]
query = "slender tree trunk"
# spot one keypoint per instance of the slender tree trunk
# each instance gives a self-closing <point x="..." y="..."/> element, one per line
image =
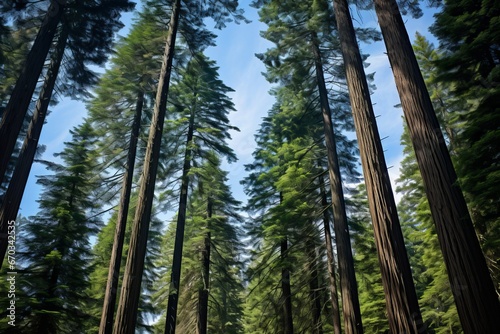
<point x="477" y="303"/>
<point x="205" y="262"/>
<point x="14" y="194"/>
<point x="314" y="287"/>
<point x="173" y="296"/>
<point x="403" y="311"/>
<point x="349" y="289"/>
<point x="20" y="99"/>
<point x="287" y="291"/>
<point x="337" y="328"/>
<point x="126" y="316"/>
<point x="108" y="308"/>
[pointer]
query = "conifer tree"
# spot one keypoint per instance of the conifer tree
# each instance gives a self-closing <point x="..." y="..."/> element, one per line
<point x="469" y="68"/>
<point x="401" y="299"/>
<point x="472" y="287"/>
<point x="210" y="293"/>
<point x="56" y="245"/>
<point x="201" y="99"/>
<point x="126" y="315"/>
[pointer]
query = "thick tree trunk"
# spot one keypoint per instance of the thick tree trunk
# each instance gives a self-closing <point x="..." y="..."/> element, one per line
<point x="126" y="316"/>
<point x="205" y="263"/>
<point x="477" y="303"/>
<point x="20" y="99"/>
<point x="175" y="278"/>
<point x="349" y="289"/>
<point x="108" y="308"/>
<point x="334" y="299"/>
<point x="403" y="311"/>
<point x="287" y="291"/>
<point x="14" y="194"/>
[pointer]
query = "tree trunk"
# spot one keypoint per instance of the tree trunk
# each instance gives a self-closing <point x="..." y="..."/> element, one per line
<point x="126" y="316"/>
<point x="403" y="311"/>
<point x="173" y="295"/>
<point x="337" y="328"/>
<point x="108" y="308"/>
<point x="477" y="303"/>
<point x="20" y="99"/>
<point x="205" y="262"/>
<point x="14" y="194"/>
<point x="349" y="289"/>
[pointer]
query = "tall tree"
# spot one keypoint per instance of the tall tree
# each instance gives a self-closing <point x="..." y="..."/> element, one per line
<point x="127" y="309"/>
<point x="469" y="67"/>
<point x="209" y="298"/>
<point x="401" y="299"/>
<point x="203" y="102"/>
<point x="472" y="287"/>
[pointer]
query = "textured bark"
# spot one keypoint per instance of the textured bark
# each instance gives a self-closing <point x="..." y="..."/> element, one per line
<point x="126" y="316"/>
<point x="205" y="263"/>
<point x="349" y="289"/>
<point x="175" y="278"/>
<point x="403" y="311"/>
<point x="334" y="299"/>
<point x="20" y="99"/>
<point x="108" y="308"/>
<point x="477" y="303"/>
<point x="287" y="291"/>
<point x="14" y="194"/>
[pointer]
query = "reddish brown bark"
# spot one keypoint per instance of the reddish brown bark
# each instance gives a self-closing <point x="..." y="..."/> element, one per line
<point x="126" y="316"/>
<point x="20" y="98"/>
<point x="349" y="289"/>
<point x="477" y="303"/>
<point x="108" y="308"/>
<point x="15" y="190"/>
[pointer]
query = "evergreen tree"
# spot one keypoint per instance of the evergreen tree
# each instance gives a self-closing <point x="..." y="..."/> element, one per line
<point x="472" y="287"/>
<point x="56" y="246"/>
<point x="401" y="299"/>
<point x="210" y="296"/>
<point x="201" y="99"/>
<point x="135" y="261"/>
<point x="470" y="66"/>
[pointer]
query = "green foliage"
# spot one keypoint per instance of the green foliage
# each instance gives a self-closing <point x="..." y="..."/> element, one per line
<point x="212" y="213"/>
<point x="56" y="243"/>
<point x="469" y="37"/>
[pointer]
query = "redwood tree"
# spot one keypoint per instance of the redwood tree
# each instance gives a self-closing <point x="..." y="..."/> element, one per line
<point x="477" y="303"/>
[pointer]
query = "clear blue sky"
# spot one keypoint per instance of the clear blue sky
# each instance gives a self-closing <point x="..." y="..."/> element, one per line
<point x="241" y="70"/>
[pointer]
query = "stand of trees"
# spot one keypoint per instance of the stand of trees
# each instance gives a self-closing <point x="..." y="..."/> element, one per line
<point x="137" y="229"/>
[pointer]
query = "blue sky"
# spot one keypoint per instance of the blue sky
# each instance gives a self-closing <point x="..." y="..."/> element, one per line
<point x="241" y="70"/>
